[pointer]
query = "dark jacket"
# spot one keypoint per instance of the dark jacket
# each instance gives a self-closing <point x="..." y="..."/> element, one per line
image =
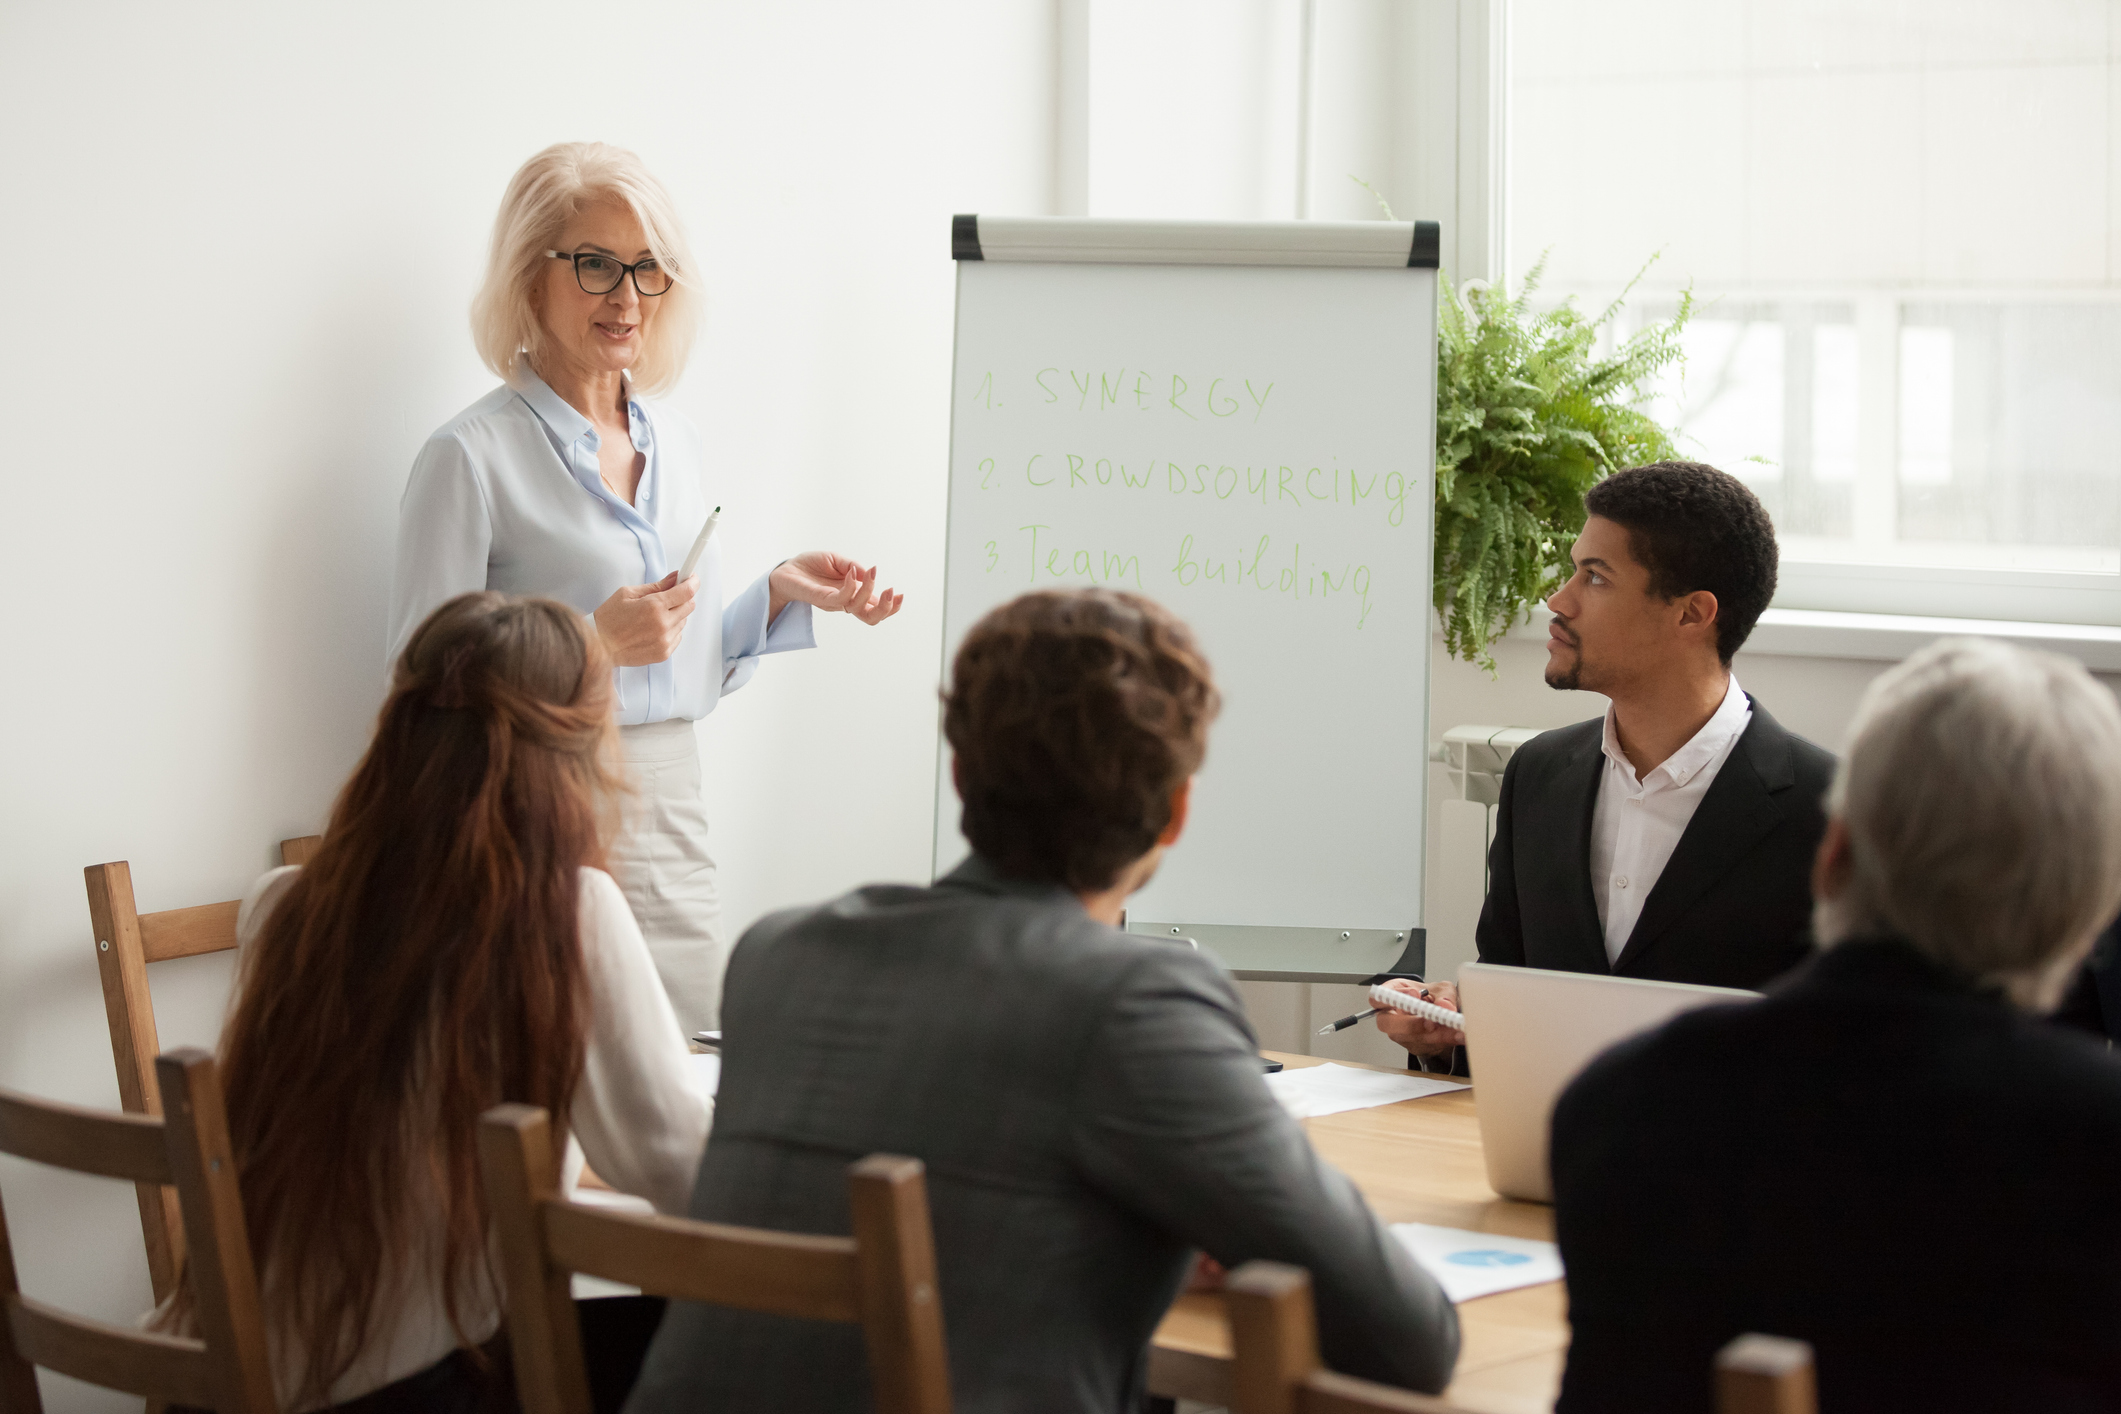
<point x="1732" y="908"/>
<point x="2094" y="1000"/>
<point x="1909" y="1173"/>
<point x="1090" y="1108"/>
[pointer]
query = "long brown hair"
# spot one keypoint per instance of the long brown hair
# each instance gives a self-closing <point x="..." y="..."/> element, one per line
<point x="424" y="966"/>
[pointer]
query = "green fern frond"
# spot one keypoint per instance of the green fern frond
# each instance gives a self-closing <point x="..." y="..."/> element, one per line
<point x="1529" y="417"/>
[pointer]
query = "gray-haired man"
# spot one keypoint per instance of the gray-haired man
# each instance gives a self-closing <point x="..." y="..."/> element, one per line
<point x="1891" y="1156"/>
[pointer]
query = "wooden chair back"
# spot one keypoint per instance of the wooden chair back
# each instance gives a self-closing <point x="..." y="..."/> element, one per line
<point x="882" y="1278"/>
<point x="1275" y="1364"/>
<point x="127" y="940"/>
<point x="1766" y="1374"/>
<point x="1274" y="1334"/>
<point x="186" y="1149"/>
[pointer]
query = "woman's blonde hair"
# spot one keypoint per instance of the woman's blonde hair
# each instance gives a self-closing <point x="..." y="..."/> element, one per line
<point x="544" y="195"/>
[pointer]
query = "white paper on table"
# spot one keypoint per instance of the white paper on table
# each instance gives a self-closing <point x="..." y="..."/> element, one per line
<point x="584" y="1285"/>
<point x="1469" y="1264"/>
<point x="707" y="1070"/>
<point x="1328" y="1089"/>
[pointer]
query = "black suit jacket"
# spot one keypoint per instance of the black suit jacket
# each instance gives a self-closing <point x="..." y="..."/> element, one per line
<point x="1732" y="908"/>
<point x="2094" y="1000"/>
<point x="1877" y="1158"/>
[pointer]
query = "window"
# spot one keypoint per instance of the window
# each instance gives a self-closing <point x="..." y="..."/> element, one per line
<point x="1903" y="230"/>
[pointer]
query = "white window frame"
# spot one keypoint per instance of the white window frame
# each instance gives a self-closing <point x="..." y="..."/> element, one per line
<point x="1812" y="594"/>
<point x="1462" y="131"/>
<point x="2042" y="596"/>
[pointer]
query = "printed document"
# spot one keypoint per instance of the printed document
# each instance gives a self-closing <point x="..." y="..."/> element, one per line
<point x="1469" y="1264"/>
<point x="1328" y="1089"/>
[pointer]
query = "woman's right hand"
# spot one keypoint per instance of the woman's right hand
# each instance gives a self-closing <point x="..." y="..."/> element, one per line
<point x="642" y="623"/>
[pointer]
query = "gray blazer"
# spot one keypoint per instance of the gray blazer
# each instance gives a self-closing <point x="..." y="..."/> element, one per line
<point x="1090" y="1108"/>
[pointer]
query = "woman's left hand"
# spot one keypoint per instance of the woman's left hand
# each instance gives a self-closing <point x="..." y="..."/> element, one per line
<point x="833" y="583"/>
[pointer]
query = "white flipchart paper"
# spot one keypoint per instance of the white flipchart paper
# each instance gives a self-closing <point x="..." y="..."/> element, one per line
<point x="1102" y="433"/>
<point x="1329" y="1089"/>
<point x="1469" y="1264"/>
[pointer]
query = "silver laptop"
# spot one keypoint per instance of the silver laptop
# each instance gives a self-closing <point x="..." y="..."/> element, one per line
<point x="1529" y="1032"/>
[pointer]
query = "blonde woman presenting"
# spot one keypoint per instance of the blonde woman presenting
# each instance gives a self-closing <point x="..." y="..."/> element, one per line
<point x="566" y="481"/>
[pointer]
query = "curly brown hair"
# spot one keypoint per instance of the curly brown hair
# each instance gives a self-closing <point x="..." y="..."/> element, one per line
<point x="1694" y="527"/>
<point x="1074" y="717"/>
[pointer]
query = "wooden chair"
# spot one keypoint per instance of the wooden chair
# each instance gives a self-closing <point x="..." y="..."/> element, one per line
<point x="1766" y="1374"/>
<point x="126" y="941"/>
<point x="1275" y="1367"/>
<point x="187" y="1149"/>
<point x="882" y="1278"/>
<point x="1276" y="1370"/>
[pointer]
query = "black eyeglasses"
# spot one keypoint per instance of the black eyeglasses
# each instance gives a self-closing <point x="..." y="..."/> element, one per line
<point x="601" y="274"/>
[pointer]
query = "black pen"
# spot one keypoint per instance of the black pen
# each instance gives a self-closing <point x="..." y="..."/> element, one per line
<point x="1345" y="1022"/>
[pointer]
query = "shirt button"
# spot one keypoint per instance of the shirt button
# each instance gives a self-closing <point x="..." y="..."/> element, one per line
<point x="1622" y="881"/>
<point x="1634" y="800"/>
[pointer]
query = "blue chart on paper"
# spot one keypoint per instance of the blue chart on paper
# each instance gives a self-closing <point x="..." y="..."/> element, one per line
<point x="1487" y="1257"/>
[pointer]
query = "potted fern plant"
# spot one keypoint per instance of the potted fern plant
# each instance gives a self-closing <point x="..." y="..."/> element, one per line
<point x="1530" y="414"/>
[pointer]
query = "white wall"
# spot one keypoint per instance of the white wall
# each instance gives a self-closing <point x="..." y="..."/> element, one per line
<point x="1192" y="110"/>
<point x="240" y="244"/>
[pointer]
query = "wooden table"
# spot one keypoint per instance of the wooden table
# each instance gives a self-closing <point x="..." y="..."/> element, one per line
<point x="1416" y="1161"/>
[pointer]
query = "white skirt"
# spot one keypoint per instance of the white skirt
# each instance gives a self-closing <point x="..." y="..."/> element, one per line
<point x="661" y="863"/>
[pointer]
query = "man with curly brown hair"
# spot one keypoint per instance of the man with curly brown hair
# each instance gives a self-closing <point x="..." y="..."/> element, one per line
<point x="1089" y="1103"/>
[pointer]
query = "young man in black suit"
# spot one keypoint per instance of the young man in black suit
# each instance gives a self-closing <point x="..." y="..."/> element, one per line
<point x="1890" y="1156"/>
<point x="1671" y="839"/>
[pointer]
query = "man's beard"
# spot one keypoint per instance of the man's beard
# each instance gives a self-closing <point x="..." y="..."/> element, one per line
<point x="1570" y="678"/>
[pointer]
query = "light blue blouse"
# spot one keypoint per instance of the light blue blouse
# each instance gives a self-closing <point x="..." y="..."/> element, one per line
<point x="508" y="496"/>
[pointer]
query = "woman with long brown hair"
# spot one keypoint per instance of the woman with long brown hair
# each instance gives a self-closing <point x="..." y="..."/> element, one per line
<point x="454" y="944"/>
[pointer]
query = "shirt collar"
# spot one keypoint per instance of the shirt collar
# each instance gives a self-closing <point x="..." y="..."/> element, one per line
<point x="978" y="874"/>
<point x="1724" y="724"/>
<point x="568" y="426"/>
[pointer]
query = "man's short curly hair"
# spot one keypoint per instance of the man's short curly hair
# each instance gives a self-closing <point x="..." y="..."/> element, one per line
<point x="1074" y="716"/>
<point x="1694" y="527"/>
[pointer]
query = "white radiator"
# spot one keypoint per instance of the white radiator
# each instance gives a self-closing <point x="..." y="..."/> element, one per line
<point x="1473" y="758"/>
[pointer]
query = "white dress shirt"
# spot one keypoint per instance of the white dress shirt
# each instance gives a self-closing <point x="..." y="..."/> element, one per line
<point x="640" y="1114"/>
<point x="1637" y="823"/>
<point x="509" y="496"/>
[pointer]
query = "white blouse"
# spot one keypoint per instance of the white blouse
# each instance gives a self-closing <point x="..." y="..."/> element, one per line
<point x="508" y="496"/>
<point x="640" y="1115"/>
<point x="1637" y="823"/>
